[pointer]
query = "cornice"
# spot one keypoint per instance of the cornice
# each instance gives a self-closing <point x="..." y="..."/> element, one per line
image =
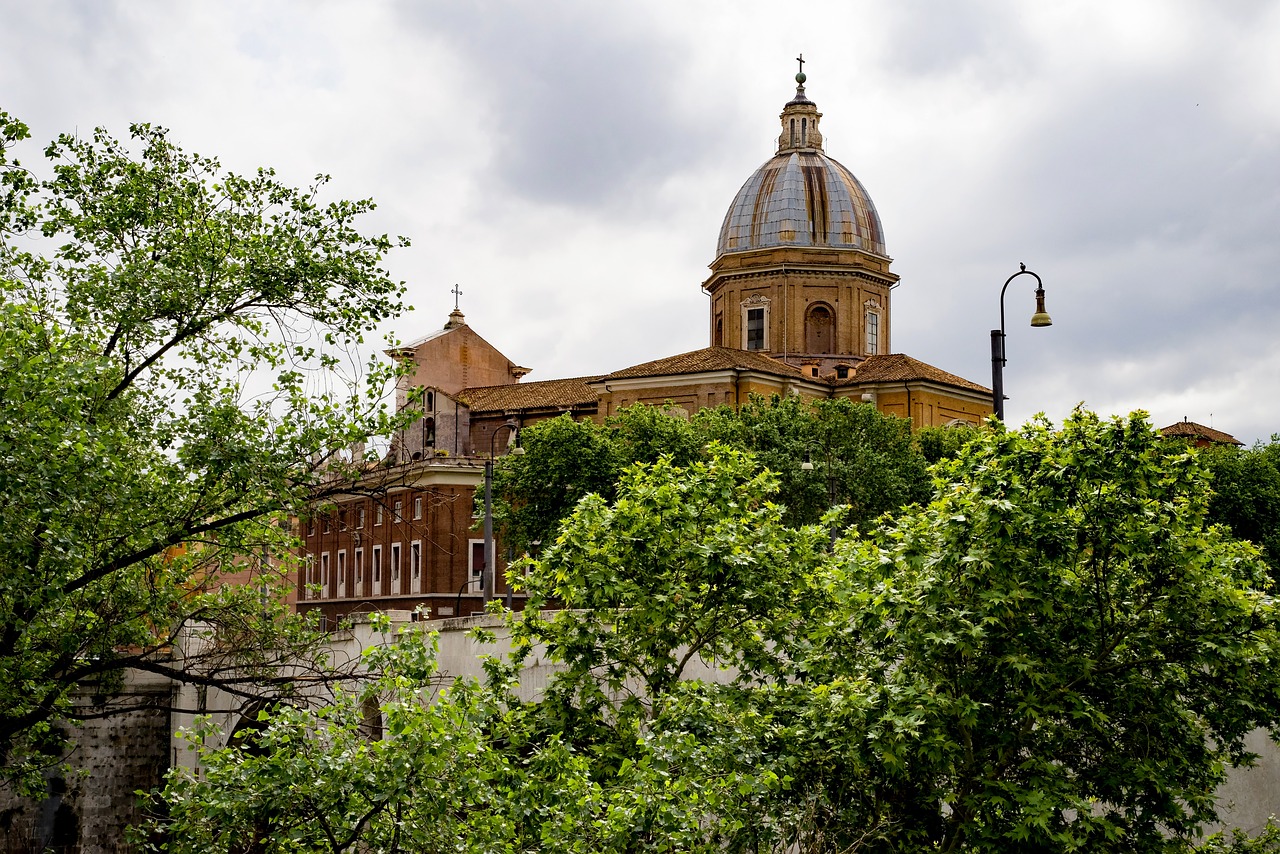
<point x="719" y="279"/>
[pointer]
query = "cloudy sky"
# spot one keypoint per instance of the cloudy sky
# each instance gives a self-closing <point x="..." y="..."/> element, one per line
<point x="568" y="163"/>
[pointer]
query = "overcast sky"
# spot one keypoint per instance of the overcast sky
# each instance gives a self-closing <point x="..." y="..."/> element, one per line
<point x="568" y="164"/>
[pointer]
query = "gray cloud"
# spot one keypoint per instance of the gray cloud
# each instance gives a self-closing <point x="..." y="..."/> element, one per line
<point x="582" y="97"/>
<point x="569" y="162"/>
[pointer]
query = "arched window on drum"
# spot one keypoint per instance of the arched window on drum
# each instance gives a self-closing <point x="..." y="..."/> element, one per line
<point x="819" y="329"/>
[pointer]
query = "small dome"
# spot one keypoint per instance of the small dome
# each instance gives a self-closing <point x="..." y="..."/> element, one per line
<point x="801" y="197"/>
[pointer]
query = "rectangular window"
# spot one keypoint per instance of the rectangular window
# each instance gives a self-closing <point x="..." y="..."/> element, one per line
<point x="324" y="574"/>
<point x="308" y="573"/>
<point x="342" y="520"/>
<point x="342" y="572"/>
<point x="377" y="516"/>
<point x="395" y="569"/>
<point x="417" y="508"/>
<point x="326" y="524"/>
<point x="311" y="528"/>
<point x="755" y="329"/>
<point x="475" y="567"/>
<point x="396" y="510"/>
<point x="415" y="565"/>
<point x="359" y="588"/>
<point x="873" y="333"/>
<point x="360" y="522"/>
<point x="376" y="569"/>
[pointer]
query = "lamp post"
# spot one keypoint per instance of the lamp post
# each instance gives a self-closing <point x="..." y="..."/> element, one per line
<point x="807" y="466"/>
<point x="489" y="579"/>
<point x="1040" y="318"/>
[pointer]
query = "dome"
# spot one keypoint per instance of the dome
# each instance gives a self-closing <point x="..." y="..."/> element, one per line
<point x="801" y="197"/>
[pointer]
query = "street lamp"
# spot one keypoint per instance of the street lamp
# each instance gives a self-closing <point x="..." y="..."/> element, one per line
<point x="1040" y="318"/>
<point x="489" y="579"/>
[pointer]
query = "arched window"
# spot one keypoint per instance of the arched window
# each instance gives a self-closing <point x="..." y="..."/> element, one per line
<point x="717" y="339"/>
<point x="819" y="330"/>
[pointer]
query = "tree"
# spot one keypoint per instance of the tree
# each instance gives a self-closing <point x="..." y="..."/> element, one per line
<point x="943" y="443"/>
<point x="458" y="766"/>
<point x="171" y="384"/>
<point x="857" y="456"/>
<point x="563" y="460"/>
<point x="1056" y="653"/>
<point x="711" y="574"/>
<point x="689" y="563"/>
<point x="1246" y="493"/>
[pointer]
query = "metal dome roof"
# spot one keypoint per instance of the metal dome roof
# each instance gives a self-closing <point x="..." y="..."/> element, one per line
<point x="801" y="197"/>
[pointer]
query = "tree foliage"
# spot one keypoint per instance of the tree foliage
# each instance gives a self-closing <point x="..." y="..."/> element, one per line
<point x="855" y="457"/>
<point x="171" y="338"/>
<point x="1055" y="653"/>
<point x="1246" y="493"/>
<point x="461" y="767"/>
<point x="1060" y="653"/>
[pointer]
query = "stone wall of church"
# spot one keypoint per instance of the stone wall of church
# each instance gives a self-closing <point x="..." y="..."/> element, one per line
<point x="816" y="301"/>
<point x="927" y="408"/>
<point x="87" y="810"/>
<point x="693" y="396"/>
<point x="457" y="359"/>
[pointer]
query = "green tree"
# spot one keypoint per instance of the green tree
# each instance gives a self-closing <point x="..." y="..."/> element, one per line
<point x="856" y="456"/>
<point x="1056" y="653"/>
<point x="565" y="459"/>
<point x="1246" y="493"/>
<point x="688" y="564"/>
<point x="943" y="443"/>
<point x="171" y="380"/>
<point x="463" y="767"/>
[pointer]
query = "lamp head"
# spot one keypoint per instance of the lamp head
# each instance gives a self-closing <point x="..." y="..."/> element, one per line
<point x="1041" y="317"/>
<point x="513" y="441"/>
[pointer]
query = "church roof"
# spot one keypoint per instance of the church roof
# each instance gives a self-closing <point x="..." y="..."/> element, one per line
<point x="547" y="394"/>
<point x="899" y="367"/>
<point x="1185" y="429"/>
<point x="704" y="360"/>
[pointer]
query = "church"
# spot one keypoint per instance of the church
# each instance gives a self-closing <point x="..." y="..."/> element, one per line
<point x="799" y="303"/>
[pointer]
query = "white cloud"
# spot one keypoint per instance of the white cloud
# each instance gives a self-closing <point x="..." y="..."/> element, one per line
<point x="568" y="163"/>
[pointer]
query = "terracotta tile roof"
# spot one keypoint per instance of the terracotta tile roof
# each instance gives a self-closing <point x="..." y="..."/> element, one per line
<point x="547" y="394"/>
<point x="898" y="367"/>
<point x="707" y="359"/>
<point x="1191" y="430"/>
